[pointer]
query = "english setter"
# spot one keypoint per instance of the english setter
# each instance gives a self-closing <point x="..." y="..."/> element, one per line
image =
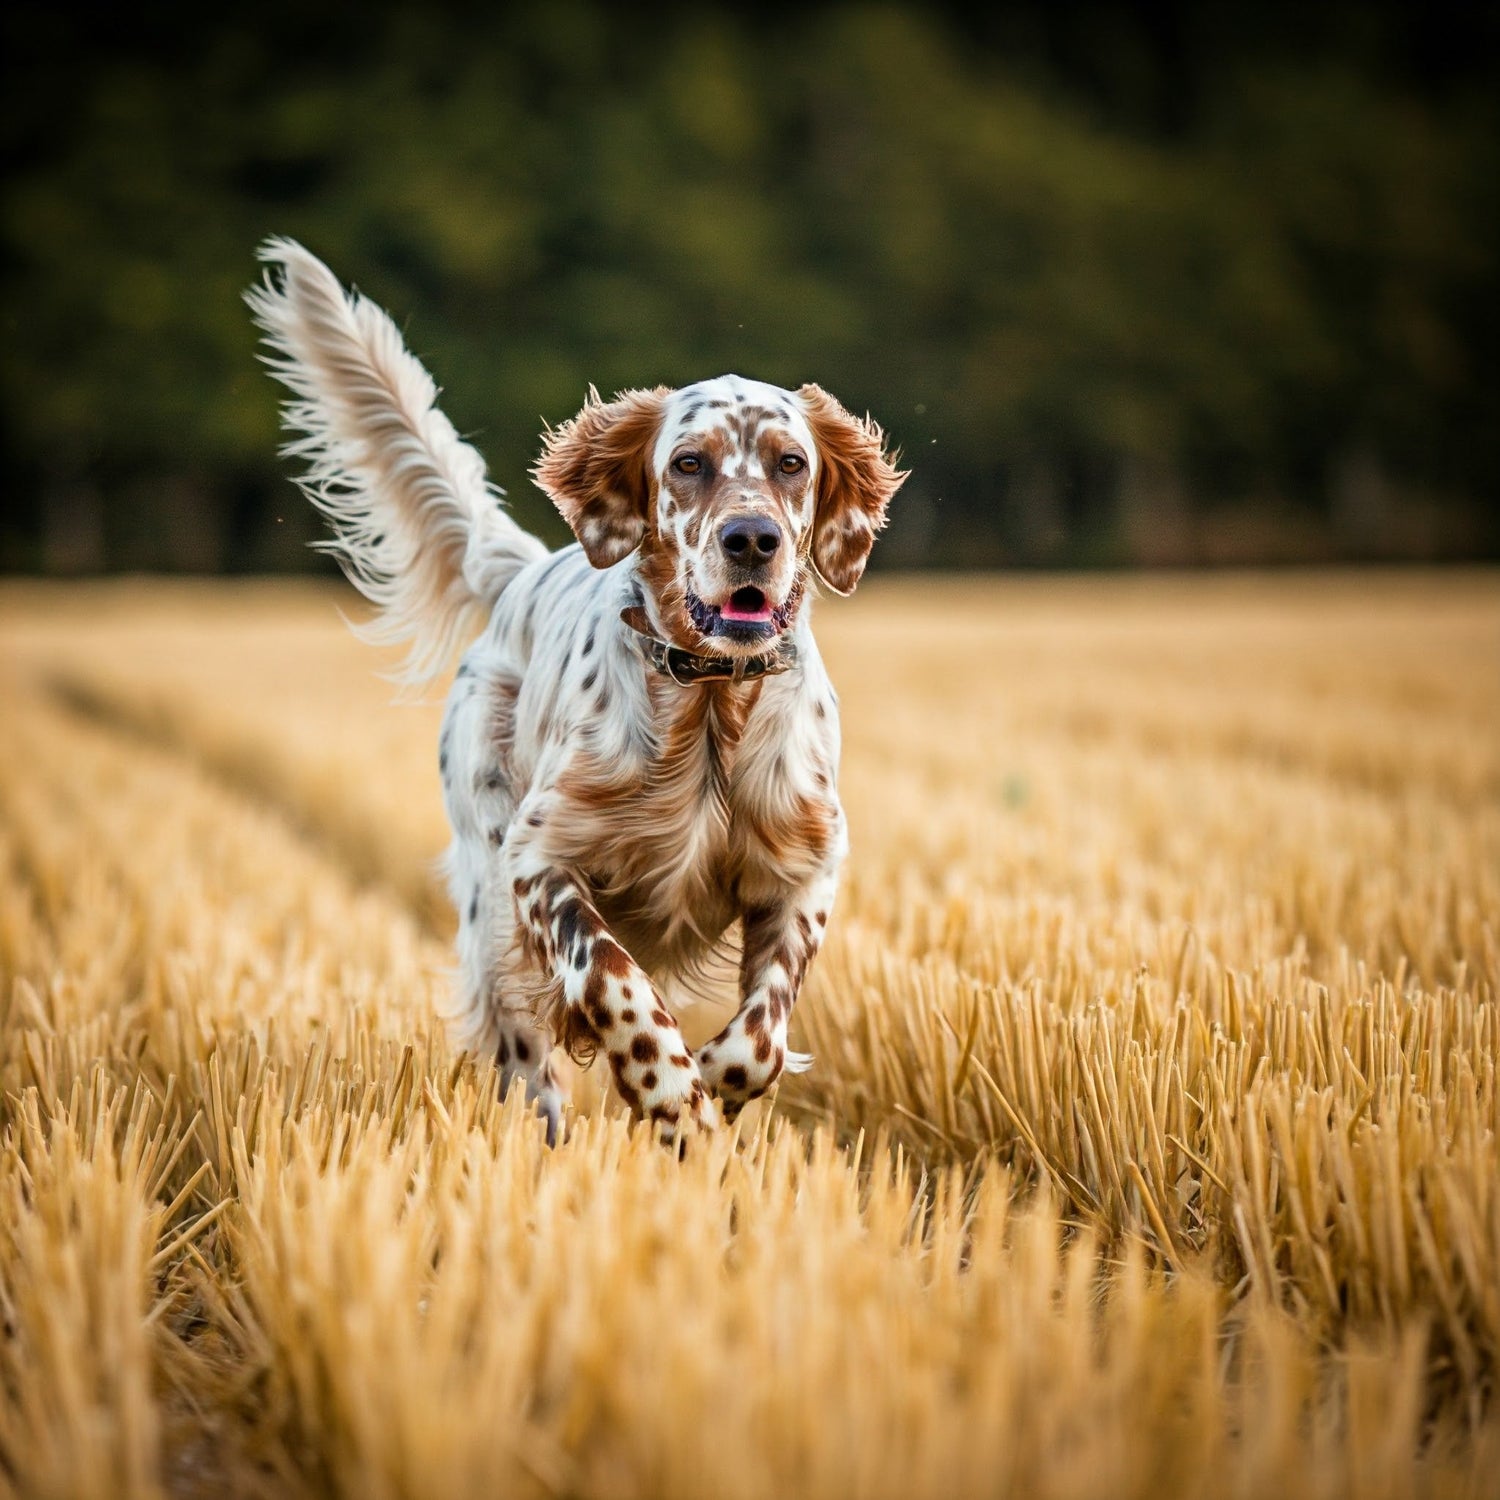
<point x="641" y="746"/>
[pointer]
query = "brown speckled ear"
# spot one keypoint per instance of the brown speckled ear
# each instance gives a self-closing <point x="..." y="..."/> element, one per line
<point x="596" y="469"/>
<point x="856" y="480"/>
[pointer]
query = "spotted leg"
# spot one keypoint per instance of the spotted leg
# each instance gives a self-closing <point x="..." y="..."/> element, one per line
<point x="781" y="940"/>
<point x="607" y="1000"/>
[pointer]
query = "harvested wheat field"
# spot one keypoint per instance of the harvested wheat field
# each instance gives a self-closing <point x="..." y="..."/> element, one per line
<point x="1150" y="1147"/>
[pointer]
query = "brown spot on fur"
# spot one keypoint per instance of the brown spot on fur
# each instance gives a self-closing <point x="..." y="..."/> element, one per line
<point x="762" y="1047"/>
<point x="610" y="958"/>
<point x="644" y="1049"/>
<point x="682" y="1060"/>
<point x="755" y="1018"/>
<point x="807" y="828"/>
<point x="628" y="1016"/>
<point x="735" y="1077"/>
<point x="591" y="785"/>
<point x="648" y="1080"/>
<point x="661" y="1018"/>
<point x="594" y="989"/>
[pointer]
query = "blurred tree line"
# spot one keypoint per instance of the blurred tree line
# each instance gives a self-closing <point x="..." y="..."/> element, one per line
<point x="1126" y="283"/>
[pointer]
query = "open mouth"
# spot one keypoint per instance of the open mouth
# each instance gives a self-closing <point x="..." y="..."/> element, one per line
<point x="747" y="606"/>
<point x="746" y="612"/>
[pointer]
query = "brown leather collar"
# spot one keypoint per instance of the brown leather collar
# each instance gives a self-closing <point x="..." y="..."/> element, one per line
<point x="688" y="670"/>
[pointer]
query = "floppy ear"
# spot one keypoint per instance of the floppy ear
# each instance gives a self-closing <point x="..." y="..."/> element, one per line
<point x="596" y="469"/>
<point x="856" y="479"/>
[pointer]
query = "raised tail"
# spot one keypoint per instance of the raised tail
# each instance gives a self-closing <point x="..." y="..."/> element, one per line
<point x="416" y="526"/>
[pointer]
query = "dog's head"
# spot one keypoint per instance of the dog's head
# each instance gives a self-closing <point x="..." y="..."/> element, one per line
<point x="732" y="490"/>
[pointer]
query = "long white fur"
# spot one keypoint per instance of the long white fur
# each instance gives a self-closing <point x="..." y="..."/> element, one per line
<point x="416" y="526"/>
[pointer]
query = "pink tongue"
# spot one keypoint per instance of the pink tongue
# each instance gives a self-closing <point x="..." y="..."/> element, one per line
<point x="729" y="610"/>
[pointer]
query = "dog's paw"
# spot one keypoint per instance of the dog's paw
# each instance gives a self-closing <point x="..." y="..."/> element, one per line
<point x="676" y="1121"/>
<point x="736" y="1073"/>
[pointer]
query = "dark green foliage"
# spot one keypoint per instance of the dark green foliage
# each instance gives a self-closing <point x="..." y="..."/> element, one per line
<point x="1124" y="289"/>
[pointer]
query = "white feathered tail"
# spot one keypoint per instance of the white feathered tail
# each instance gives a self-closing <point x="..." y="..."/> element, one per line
<point x="416" y="526"/>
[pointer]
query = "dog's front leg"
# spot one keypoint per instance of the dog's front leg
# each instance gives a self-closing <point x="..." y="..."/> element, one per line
<point x="608" y="1000"/>
<point x="781" y="940"/>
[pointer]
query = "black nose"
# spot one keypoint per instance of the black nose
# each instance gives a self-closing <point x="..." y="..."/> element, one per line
<point x="750" y="539"/>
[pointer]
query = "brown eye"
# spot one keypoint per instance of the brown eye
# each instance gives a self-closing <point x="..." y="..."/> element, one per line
<point x="793" y="463"/>
<point x="689" y="463"/>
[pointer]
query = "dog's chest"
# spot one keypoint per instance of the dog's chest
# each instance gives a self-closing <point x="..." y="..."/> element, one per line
<point x="717" y="819"/>
<point x="687" y="816"/>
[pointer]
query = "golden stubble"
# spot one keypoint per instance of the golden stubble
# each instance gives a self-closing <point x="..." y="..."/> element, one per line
<point x="1150" y="1145"/>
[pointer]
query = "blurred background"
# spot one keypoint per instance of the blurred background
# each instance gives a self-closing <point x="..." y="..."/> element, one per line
<point x="1128" y="284"/>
